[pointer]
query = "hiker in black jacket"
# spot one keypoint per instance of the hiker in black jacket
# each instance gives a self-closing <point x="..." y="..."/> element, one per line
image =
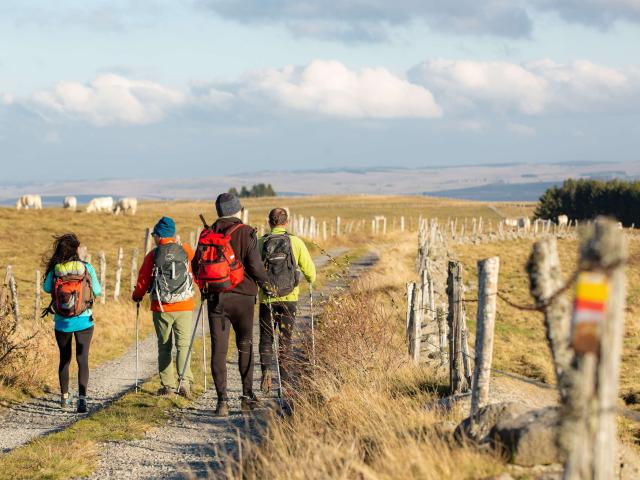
<point x="234" y="309"/>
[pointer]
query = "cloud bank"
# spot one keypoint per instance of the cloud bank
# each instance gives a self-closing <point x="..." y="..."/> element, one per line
<point x="472" y="90"/>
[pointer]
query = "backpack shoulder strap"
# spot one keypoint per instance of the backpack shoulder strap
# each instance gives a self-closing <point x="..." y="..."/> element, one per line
<point x="233" y="229"/>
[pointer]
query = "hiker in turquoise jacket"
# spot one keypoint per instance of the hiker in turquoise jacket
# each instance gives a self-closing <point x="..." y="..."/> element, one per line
<point x="64" y="262"/>
<point x="283" y="308"/>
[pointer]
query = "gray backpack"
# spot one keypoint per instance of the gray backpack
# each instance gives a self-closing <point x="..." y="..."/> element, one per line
<point x="172" y="280"/>
<point x="280" y="264"/>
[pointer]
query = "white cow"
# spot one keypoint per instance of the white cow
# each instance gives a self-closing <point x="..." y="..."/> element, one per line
<point x="524" y="222"/>
<point x="100" y="204"/>
<point x="70" y="203"/>
<point x="127" y="204"/>
<point x="562" y="220"/>
<point x="29" y="201"/>
<point x="510" y="222"/>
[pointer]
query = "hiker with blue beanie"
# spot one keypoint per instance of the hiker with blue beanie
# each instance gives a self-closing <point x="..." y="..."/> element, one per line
<point x="166" y="275"/>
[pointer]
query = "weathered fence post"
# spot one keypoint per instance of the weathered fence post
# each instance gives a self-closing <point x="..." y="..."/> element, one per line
<point x="485" y="322"/>
<point x="442" y="331"/>
<point x="134" y="268"/>
<point x="588" y="418"/>
<point x="38" y="289"/>
<point x="457" y="379"/>
<point x="116" y="288"/>
<point x="147" y="241"/>
<point x="411" y="286"/>
<point x="416" y="323"/>
<point x="545" y="279"/>
<point x="402" y="224"/>
<point x="10" y="282"/>
<point x="103" y="276"/>
<point x="337" y="226"/>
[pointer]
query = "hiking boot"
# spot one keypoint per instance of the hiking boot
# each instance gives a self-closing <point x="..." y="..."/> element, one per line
<point x="82" y="405"/>
<point x="249" y="402"/>
<point x="65" y="400"/>
<point x="265" y="383"/>
<point x="222" y="409"/>
<point x="165" y="391"/>
<point x="185" y="390"/>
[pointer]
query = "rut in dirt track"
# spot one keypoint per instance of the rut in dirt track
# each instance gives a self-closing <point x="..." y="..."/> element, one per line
<point x="194" y="442"/>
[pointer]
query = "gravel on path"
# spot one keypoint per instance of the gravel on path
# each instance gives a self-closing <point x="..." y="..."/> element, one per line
<point x="23" y="422"/>
<point x="194" y="443"/>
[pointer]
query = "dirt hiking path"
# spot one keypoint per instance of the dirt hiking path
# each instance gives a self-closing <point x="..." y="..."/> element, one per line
<point x="194" y="443"/>
<point x="24" y="422"/>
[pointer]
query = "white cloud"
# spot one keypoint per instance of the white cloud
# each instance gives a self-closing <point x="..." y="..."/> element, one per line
<point x="530" y="89"/>
<point x="330" y="88"/>
<point x="110" y="99"/>
<point x="521" y="129"/>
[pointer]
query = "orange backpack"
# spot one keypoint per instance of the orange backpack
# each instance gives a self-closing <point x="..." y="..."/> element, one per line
<point x="72" y="293"/>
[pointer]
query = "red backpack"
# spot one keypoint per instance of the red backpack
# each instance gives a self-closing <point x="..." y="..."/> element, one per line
<point x="72" y="293"/>
<point x="218" y="269"/>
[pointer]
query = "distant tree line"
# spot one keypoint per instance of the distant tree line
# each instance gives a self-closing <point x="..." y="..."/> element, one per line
<point x="258" y="190"/>
<point x="586" y="199"/>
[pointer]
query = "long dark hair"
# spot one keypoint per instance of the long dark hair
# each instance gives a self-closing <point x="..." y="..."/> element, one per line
<point x="64" y="249"/>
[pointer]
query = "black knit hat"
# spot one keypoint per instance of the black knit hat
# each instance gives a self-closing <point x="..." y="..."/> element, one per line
<point x="227" y="205"/>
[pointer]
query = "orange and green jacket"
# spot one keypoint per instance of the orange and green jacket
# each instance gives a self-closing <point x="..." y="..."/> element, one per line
<point x="145" y="277"/>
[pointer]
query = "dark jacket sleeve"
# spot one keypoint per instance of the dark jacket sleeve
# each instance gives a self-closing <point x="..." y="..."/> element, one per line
<point x="253" y="261"/>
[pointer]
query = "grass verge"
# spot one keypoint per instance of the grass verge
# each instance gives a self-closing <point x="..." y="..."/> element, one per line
<point x="362" y="415"/>
<point x="74" y="452"/>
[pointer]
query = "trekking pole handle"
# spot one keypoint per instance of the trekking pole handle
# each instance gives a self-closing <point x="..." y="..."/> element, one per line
<point x="204" y="222"/>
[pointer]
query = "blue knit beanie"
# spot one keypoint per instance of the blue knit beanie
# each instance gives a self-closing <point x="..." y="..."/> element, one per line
<point x="165" y="228"/>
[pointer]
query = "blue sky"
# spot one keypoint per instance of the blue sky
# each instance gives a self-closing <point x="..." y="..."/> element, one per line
<point x="204" y="87"/>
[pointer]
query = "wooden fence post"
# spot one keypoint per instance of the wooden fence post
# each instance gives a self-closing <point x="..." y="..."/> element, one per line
<point x="38" y="289"/>
<point x="588" y="417"/>
<point x="103" y="276"/>
<point x="442" y="331"/>
<point x="402" y="224"/>
<point x="485" y="323"/>
<point x="411" y="286"/>
<point x="457" y="379"/>
<point x="337" y="226"/>
<point x="10" y="282"/>
<point x="134" y="268"/>
<point x="416" y="324"/>
<point x="147" y="241"/>
<point x="116" y="288"/>
<point x="545" y="279"/>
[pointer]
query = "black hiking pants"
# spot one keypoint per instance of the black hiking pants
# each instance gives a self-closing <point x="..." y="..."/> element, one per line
<point x="226" y="311"/>
<point x="83" y="342"/>
<point x="284" y="317"/>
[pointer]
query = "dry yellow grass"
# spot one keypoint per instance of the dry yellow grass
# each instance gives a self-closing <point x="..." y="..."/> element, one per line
<point x="362" y="414"/>
<point x="25" y="236"/>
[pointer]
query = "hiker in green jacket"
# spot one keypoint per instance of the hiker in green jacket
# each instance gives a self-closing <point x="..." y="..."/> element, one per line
<point x="285" y="256"/>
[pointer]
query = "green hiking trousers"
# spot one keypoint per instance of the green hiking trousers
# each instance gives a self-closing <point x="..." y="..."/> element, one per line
<point x="170" y="326"/>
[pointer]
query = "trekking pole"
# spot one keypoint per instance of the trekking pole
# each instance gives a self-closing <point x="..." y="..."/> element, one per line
<point x="204" y="355"/>
<point x="313" y="331"/>
<point x="193" y="337"/>
<point x="137" y="349"/>
<point x="276" y="342"/>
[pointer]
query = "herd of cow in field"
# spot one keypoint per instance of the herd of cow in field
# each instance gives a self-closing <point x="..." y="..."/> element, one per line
<point x="98" y="204"/>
